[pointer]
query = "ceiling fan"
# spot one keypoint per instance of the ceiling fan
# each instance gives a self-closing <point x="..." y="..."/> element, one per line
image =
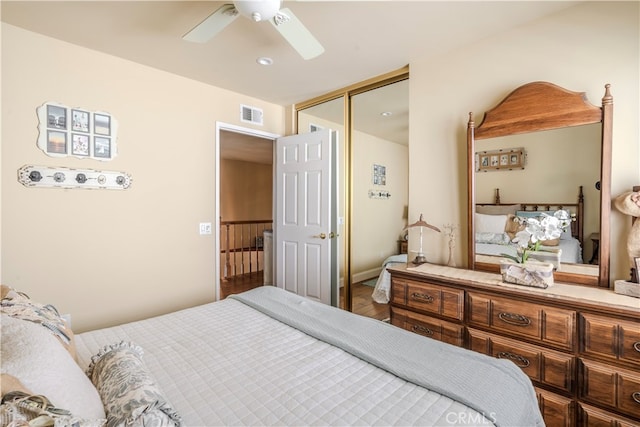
<point x="283" y="20"/>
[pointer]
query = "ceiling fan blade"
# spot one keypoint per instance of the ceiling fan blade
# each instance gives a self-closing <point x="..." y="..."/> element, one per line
<point x="212" y="25"/>
<point x="297" y="34"/>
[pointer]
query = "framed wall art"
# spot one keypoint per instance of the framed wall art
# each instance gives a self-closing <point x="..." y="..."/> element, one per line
<point x="379" y="175"/>
<point x="78" y="132"/>
<point x="504" y="159"/>
<point x="79" y="144"/>
<point x="80" y="121"/>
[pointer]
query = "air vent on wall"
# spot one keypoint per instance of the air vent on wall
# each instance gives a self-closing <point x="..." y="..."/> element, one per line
<point x="251" y="114"/>
<point x="314" y="128"/>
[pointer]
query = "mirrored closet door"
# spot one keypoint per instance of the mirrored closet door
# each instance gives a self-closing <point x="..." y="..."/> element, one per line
<point x="371" y="119"/>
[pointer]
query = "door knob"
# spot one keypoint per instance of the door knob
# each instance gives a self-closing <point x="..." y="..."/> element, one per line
<point x="332" y="235"/>
<point x="321" y="235"/>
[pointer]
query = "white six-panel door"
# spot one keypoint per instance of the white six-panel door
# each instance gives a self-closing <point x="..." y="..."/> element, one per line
<point x="303" y="231"/>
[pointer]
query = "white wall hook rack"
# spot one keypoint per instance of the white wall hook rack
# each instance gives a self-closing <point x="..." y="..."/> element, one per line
<point x="45" y="176"/>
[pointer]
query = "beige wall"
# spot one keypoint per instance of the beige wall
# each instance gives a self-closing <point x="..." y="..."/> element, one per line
<point x="246" y="191"/>
<point x="377" y="223"/>
<point x="113" y="256"/>
<point x="581" y="48"/>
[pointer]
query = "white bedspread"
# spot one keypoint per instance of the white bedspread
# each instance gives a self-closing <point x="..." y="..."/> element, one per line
<point x="571" y="250"/>
<point x="227" y="364"/>
<point x="383" y="285"/>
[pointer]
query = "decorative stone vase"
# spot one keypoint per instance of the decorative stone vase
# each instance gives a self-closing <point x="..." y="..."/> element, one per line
<point x="547" y="256"/>
<point x="531" y="273"/>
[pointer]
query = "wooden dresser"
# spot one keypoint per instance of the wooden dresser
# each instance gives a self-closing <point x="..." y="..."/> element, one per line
<point x="580" y="346"/>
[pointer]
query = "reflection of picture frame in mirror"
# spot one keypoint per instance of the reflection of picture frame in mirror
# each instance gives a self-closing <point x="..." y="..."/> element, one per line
<point x="379" y="175"/>
<point x="504" y="159"/>
<point x="56" y="142"/>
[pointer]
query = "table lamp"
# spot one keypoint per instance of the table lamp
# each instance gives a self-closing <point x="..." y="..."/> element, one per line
<point x="420" y="258"/>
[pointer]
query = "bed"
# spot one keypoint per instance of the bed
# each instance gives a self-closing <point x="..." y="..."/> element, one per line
<point x="381" y="291"/>
<point x="267" y="357"/>
<point x="495" y="228"/>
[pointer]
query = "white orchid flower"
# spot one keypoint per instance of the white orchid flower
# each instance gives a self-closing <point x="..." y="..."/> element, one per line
<point x="551" y="227"/>
<point x="522" y="238"/>
<point x="562" y="215"/>
<point x="535" y="229"/>
<point x="538" y="229"/>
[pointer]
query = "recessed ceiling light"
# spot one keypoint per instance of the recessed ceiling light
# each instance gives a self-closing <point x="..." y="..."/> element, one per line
<point x="386" y="113"/>
<point x="263" y="60"/>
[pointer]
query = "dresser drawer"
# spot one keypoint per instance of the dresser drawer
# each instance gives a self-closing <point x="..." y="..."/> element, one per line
<point x="544" y="324"/>
<point x="398" y="294"/>
<point x="430" y="327"/>
<point x="595" y="417"/>
<point x="543" y="365"/>
<point x="610" y="338"/>
<point x="557" y="411"/>
<point x="430" y="298"/>
<point x="616" y="388"/>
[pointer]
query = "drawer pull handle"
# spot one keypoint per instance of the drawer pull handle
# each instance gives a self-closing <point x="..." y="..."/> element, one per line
<point x="636" y="396"/>
<point x="514" y="319"/>
<point x="636" y="346"/>
<point x="522" y="362"/>
<point x="420" y="296"/>
<point x="422" y="330"/>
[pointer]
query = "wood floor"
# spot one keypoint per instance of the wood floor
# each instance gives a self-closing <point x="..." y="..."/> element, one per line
<point x="240" y="283"/>
<point x="361" y="302"/>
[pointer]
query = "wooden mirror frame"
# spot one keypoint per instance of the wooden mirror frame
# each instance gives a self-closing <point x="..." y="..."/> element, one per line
<point x="540" y="106"/>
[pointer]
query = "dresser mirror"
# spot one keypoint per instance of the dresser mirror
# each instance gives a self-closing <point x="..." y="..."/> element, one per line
<point x="541" y="149"/>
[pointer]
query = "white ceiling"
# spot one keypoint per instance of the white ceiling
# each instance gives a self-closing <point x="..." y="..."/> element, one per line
<point x="362" y="39"/>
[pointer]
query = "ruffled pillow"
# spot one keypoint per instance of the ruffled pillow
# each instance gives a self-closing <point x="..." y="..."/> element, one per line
<point x="129" y="392"/>
<point x="24" y="409"/>
<point x="19" y="305"/>
<point x="33" y="361"/>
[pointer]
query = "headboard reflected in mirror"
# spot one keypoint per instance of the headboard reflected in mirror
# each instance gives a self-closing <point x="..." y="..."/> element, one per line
<point x="531" y="109"/>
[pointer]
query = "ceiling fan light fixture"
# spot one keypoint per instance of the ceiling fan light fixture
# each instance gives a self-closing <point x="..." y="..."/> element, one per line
<point x="260" y="10"/>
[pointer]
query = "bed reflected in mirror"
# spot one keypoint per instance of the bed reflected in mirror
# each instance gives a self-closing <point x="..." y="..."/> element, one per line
<point x="550" y="176"/>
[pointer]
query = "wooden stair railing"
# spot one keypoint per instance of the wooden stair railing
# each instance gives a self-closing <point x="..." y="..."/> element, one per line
<point x="242" y="246"/>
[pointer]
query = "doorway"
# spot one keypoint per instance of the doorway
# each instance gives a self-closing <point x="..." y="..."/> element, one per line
<point x="243" y="206"/>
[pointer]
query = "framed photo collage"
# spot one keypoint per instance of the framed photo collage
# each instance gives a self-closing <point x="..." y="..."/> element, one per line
<point x="77" y="132"/>
<point x="505" y="159"/>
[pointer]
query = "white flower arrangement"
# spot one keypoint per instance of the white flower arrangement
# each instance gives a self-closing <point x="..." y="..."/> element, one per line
<point x="538" y="229"/>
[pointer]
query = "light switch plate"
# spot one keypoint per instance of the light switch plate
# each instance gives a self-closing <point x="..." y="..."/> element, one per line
<point x="205" y="228"/>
